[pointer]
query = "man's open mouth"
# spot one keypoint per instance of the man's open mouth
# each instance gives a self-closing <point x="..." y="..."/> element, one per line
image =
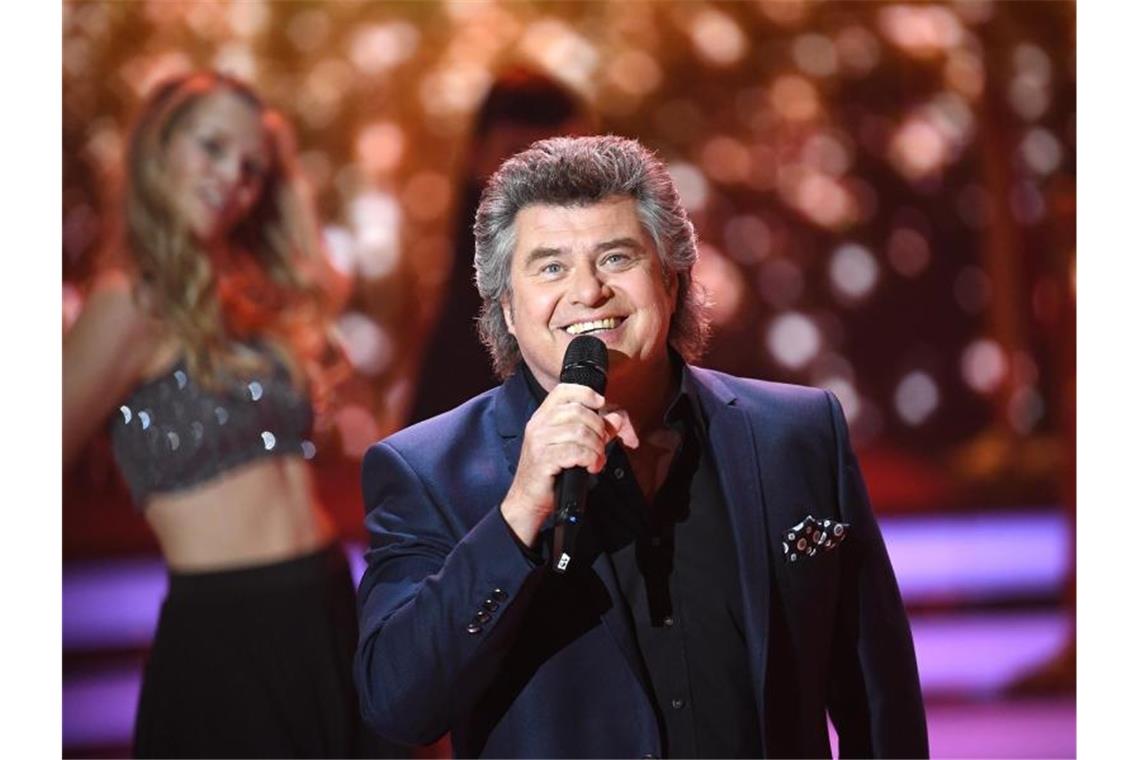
<point x="582" y="328"/>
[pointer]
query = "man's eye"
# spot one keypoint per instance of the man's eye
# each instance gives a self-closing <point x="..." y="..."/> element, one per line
<point x="616" y="259"/>
<point x="553" y="267"/>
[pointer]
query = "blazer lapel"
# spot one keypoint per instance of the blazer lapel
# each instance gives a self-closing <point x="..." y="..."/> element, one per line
<point x="619" y="621"/>
<point x="513" y="407"/>
<point x="738" y="468"/>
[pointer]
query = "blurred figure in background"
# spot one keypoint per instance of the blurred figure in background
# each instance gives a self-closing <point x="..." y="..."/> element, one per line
<point x="522" y="106"/>
<point x="203" y="346"/>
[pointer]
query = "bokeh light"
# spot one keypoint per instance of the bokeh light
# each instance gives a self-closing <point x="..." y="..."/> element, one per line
<point x="376" y="48"/>
<point x="726" y="159"/>
<point x="794" y="98"/>
<point x="747" y="238"/>
<point x="1041" y="151"/>
<point x="309" y="29"/>
<point x="858" y="50"/>
<point x="793" y="340"/>
<point x="691" y="184"/>
<point x="916" y="398"/>
<point x="380" y="146"/>
<point x="717" y="37"/>
<point x="559" y="48"/>
<point x="923" y="31"/>
<point x="908" y="251"/>
<point x="375" y="219"/>
<point x="854" y="272"/>
<point x="984" y="365"/>
<point x="366" y="344"/>
<point x="815" y="55"/>
<point x="634" y="72"/>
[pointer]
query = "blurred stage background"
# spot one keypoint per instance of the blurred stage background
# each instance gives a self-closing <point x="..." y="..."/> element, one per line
<point x="886" y="198"/>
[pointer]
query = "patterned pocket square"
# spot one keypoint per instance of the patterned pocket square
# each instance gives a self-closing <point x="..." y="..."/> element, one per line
<point x="811" y="536"/>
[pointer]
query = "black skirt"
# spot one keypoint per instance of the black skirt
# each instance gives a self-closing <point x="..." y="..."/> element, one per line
<point x="256" y="662"/>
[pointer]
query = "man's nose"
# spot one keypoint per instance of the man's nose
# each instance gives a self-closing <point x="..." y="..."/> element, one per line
<point x="588" y="288"/>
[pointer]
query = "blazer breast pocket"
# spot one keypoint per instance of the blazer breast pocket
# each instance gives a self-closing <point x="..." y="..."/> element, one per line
<point x="808" y="556"/>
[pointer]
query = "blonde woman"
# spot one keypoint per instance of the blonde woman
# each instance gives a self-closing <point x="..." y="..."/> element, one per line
<point x="199" y="347"/>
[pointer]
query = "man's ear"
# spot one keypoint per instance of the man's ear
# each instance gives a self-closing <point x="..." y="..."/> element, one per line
<point x="505" y="305"/>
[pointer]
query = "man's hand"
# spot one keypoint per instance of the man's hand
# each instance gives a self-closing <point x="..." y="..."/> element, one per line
<point x="570" y="429"/>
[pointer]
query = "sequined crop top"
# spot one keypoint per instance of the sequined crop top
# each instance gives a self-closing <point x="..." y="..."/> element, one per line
<point x="172" y="434"/>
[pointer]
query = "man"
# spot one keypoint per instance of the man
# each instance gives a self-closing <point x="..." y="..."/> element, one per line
<point x="730" y="588"/>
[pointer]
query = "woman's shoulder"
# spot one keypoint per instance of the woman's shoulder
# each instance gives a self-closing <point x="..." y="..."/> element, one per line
<point x="117" y="317"/>
<point x="119" y="298"/>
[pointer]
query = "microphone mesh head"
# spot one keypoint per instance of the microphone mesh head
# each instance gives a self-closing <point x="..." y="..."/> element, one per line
<point x="585" y="363"/>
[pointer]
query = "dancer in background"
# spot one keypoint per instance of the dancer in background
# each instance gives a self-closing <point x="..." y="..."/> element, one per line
<point x="522" y="106"/>
<point x="201" y="345"/>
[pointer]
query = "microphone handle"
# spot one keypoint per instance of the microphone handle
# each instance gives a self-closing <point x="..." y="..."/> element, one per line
<point x="573" y="484"/>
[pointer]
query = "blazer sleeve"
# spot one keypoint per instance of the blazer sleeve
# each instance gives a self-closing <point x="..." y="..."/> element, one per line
<point x="874" y="698"/>
<point x="434" y="602"/>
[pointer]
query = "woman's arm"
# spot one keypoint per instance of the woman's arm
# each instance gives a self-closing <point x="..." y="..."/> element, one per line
<point x="104" y="355"/>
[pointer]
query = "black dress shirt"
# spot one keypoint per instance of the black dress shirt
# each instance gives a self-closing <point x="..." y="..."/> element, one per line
<point x="675" y="561"/>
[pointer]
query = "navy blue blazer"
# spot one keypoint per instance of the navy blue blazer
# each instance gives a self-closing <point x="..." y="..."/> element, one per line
<point x="460" y="631"/>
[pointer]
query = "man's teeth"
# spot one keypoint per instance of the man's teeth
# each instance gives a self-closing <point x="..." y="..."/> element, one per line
<point x="598" y="324"/>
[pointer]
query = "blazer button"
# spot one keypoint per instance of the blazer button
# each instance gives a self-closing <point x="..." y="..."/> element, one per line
<point x="649" y="756"/>
<point x="490" y="605"/>
<point x="499" y="595"/>
<point x="474" y="628"/>
<point x="482" y="617"/>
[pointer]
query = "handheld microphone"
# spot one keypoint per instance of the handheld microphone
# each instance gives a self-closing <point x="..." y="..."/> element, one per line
<point x="585" y="363"/>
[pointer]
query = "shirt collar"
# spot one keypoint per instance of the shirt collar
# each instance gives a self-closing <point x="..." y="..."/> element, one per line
<point x="683" y="409"/>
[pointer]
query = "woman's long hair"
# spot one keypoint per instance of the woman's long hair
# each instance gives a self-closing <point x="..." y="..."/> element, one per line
<point x="269" y="285"/>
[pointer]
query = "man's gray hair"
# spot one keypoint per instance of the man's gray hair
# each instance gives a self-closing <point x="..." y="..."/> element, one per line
<point x="579" y="171"/>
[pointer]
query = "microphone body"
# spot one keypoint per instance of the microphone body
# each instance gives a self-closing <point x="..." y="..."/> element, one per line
<point x="585" y="363"/>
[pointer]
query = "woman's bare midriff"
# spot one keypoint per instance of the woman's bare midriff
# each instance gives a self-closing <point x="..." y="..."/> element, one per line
<point x="259" y="513"/>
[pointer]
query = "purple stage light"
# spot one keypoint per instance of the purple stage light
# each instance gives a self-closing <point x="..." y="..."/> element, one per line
<point x="114" y="603"/>
<point x="111" y="603"/>
<point x="978" y="557"/>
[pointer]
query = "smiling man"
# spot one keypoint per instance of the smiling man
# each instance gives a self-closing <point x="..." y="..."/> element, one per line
<point x="732" y="591"/>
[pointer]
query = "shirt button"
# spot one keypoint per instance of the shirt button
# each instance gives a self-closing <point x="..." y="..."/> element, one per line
<point x="678" y="703"/>
<point x="619" y="473"/>
<point x="499" y="595"/>
<point x="668" y="621"/>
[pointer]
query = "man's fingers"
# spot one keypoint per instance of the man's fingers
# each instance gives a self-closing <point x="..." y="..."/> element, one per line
<point x="567" y="455"/>
<point x="564" y="392"/>
<point x="578" y="417"/>
<point x="618" y="426"/>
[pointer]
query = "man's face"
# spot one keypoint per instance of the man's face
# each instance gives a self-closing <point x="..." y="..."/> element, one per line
<point x="593" y="270"/>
